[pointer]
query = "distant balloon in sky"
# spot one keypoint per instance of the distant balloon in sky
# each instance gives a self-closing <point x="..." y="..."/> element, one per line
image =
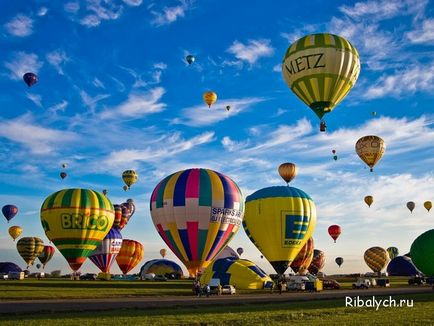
<point x="46" y="255"/>
<point x="105" y="192"/>
<point x="370" y="149"/>
<point x="64" y="165"/>
<point x="427" y="205"/>
<point x="411" y="205"/>
<point x="30" y="78"/>
<point x="63" y="175"/>
<point x="334" y="231"/>
<point x="228" y="107"/>
<point x="335" y="157"/>
<point x="190" y="59"/>
<point x="130" y="177"/>
<point x="125" y="188"/>
<point x="210" y="98"/>
<point x="321" y="69"/>
<point x="240" y="251"/>
<point x="163" y="252"/>
<point x="15" y="231"/>
<point x="9" y="211"/>
<point x="288" y="171"/>
<point x="29" y="248"/>
<point x="393" y="252"/>
<point x="339" y="261"/>
<point x="76" y="221"/>
<point x="374" y="113"/>
<point x="369" y="200"/>
<point x="376" y="258"/>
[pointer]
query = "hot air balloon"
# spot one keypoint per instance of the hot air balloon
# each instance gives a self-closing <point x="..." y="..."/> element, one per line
<point x="262" y="256"/>
<point x="163" y="252"/>
<point x="190" y="59"/>
<point x="197" y="212"/>
<point x="125" y="188"/>
<point x="374" y="113"/>
<point x="131" y="206"/>
<point x="369" y="200"/>
<point x="411" y="205"/>
<point x="210" y="98"/>
<point x="38" y="266"/>
<point x="318" y="262"/>
<point x="339" y="261"/>
<point x="9" y="211"/>
<point x="321" y="69"/>
<point x="46" y="255"/>
<point x="228" y="107"/>
<point x="279" y="221"/>
<point x="63" y="175"/>
<point x="422" y="252"/>
<point x="304" y="258"/>
<point x="105" y="192"/>
<point x="29" y="248"/>
<point x="64" y="165"/>
<point x="240" y="251"/>
<point x="392" y="252"/>
<point x="376" y="258"/>
<point x="117" y="215"/>
<point x="334" y="231"/>
<point x="130" y="177"/>
<point x="427" y="205"/>
<point x="15" y="231"/>
<point x="370" y="149"/>
<point x="335" y="157"/>
<point x="30" y="78"/>
<point x="104" y="255"/>
<point x="161" y="267"/>
<point x="288" y="171"/>
<point x="130" y="255"/>
<point x="76" y="221"/>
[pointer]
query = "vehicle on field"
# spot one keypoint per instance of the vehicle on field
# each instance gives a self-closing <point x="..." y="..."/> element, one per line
<point x="331" y="284"/>
<point x="384" y="282"/>
<point x="88" y="277"/>
<point x="362" y="283"/>
<point x="3" y="276"/>
<point x="314" y="286"/>
<point x="16" y="275"/>
<point x="417" y="280"/>
<point x="295" y="286"/>
<point x="228" y="289"/>
<point x="160" y="278"/>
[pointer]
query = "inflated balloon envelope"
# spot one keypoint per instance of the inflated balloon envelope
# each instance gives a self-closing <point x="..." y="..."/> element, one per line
<point x="76" y="221"/>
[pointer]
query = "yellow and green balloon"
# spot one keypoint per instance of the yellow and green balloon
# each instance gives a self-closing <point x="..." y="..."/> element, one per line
<point x="30" y="248"/>
<point x="376" y="258"/>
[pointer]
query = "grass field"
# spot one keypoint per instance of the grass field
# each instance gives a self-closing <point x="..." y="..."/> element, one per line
<point x="324" y="312"/>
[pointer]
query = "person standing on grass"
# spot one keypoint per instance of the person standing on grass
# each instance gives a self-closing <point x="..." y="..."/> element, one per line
<point x="208" y="291"/>
<point x="219" y="289"/>
<point x="279" y="287"/>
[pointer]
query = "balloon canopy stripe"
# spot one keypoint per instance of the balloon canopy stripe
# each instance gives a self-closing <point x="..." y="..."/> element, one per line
<point x="272" y="192"/>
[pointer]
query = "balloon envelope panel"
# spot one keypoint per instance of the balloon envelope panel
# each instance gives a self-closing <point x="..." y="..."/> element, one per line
<point x="422" y="252"/>
<point x="402" y="266"/>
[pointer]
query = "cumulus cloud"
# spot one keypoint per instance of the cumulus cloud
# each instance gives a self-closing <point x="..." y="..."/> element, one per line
<point x="133" y="3"/>
<point x="423" y="34"/>
<point x="252" y="51"/>
<point x="20" y="26"/>
<point x="169" y="15"/>
<point x="57" y="59"/>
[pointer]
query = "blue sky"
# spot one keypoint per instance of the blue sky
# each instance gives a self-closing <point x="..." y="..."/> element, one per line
<point x="115" y="93"/>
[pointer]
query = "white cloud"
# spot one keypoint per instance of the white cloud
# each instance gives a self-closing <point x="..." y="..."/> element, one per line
<point x="42" y="11"/>
<point x="169" y="15"/>
<point x="57" y="59"/>
<point x="38" y="140"/>
<point x="138" y="105"/>
<point x="133" y="3"/>
<point x="58" y="107"/>
<point x="232" y="146"/>
<point x="22" y="63"/>
<point x="217" y="112"/>
<point x="251" y="51"/>
<point x="90" y="101"/>
<point x="72" y="7"/>
<point x="100" y="10"/>
<point x="414" y="79"/>
<point x="424" y="34"/>
<point x="98" y="83"/>
<point x="36" y="99"/>
<point x="90" y="21"/>
<point x="20" y="26"/>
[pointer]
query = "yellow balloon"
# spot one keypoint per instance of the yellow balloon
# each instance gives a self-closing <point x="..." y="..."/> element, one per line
<point x="370" y="149"/>
<point x="210" y="98"/>
<point x="130" y="177"/>
<point x="321" y="69"/>
<point x="279" y="221"/>
<point x="427" y="205"/>
<point x="15" y="231"/>
<point x="369" y="200"/>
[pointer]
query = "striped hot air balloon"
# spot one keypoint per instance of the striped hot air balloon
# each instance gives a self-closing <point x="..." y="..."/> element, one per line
<point x="318" y="262"/>
<point x="46" y="255"/>
<point x="29" y="248"/>
<point x="130" y="255"/>
<point x="393" y="252"/>
<point x="197" y="212"/>
<point x="376" y="258"/>
<point x="104" y="255"/>
<point x="304" y="258"/>
<point x="76" y="221"/>
<point x="279" y="221"/>
<point x="130" y="177"/>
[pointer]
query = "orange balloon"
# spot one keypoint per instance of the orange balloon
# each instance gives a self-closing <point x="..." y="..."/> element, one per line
<point x="130" y="255"/>
<point x="210" y="98"/>
<point x="288" y="171"/>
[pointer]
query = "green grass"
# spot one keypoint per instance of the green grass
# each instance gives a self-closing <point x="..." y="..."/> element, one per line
<point x="318" y="312"/>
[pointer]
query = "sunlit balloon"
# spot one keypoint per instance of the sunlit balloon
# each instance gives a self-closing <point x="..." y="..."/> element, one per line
<point x="288" y="171"/>
<point x="422" y="252"/>
<point x="64" y="165"/>
<point x="321" y="69"/>
<point x="30" y="78"/>
<point x="76" y="221"/>
<point x="318" y="262"/>
<point x="197" y="212"/>
<point x="163" y="252"/>
<point x="369" y="200"/>
<point x="279" y="221"/>
<point x="130" y="177"/>
<point x="9" y="211"/>
<point x="104" y="255"/>
<point x="334" y="231"/>
<point x="304" y="257"/>
<point x="370" y="150"/>
<point x="15" y="231"/>
<point x="411" y="205"/>
<point x="240" y="251"/>
<point x="210" y="98"/>
<point x="376" y="258"/>
<point x="339" y="261"/>
<point x="190" y="59"/>
<point x="46" y="255"/>
<point x="29" y="248"/>
<point x="392" y="252"/>
<point x="427" y="205"/>
<point x="130" y="255"/>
